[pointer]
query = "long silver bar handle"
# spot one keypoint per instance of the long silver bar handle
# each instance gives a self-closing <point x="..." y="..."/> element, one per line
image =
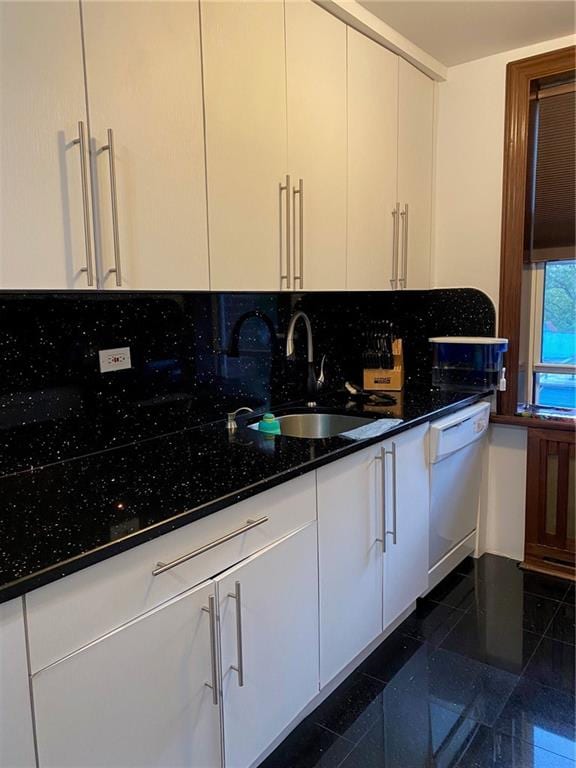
<point x="163" y="567"/>
<point x="395" y="215"/>
<point x="211" y="611"/>
<point x="382" y="461"/>
<point x="237" y="595"/>
<point x="117" y="268"/>
<point x="404" y="215"/>
<point x="385" y="531"/>
<point x="299" y="191"/>
<point x="288" y="275"/>
<point x="81" y="141"/>
<point x="394" y="530"/>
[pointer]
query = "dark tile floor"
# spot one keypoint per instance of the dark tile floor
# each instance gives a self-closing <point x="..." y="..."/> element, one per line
<point x="480" y="675"/>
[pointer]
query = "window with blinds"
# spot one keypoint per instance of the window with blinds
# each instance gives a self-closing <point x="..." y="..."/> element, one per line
<point x="551" y="200"/>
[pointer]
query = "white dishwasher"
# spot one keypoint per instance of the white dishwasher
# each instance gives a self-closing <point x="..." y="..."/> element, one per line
<point x="455" y="474"/>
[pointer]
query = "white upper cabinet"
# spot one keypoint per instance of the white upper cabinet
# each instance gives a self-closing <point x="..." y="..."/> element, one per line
<point x="16" y="735"/>
<point x="45" y="241"/>
<point x="415" y="157"/>
<point x="316" y="78"/>
<point x="390" y="154"/>
<point x="372" y="162"/>
<point x="245" y="102"/>
<point x="144" y="84"/>
<point x="314" y="136"/>
<point x="136" y="698"/>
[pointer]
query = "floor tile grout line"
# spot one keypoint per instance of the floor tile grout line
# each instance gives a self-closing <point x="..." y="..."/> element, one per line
<point x="447" y="605"/>
<point x="506" y="700"/>
<point x="538" y="644"/>
<point x="401" y="689"/>
<point x="564" y="691"/>
<point x="493" y="666"/>
<point x="557" y="639"/>
<point x="334" y="733"/>
<point x="526" y="741"/>
<point x="537" y="746"/>
<point x="465" y="613"/>
<point x="562" y="599"/>
<point x="368" y="730"/>
<point x="350" y="751"/>
<point x="551" y="620"/>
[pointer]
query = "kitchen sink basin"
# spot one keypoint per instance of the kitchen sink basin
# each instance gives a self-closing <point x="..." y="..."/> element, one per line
<point x="318" y="425"/>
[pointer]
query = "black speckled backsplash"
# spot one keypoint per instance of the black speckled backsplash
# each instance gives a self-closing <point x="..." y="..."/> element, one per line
<point x="186" y="369"/>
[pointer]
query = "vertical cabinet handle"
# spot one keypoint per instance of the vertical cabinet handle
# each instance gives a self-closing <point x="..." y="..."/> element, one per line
<point x="300" y="192"/>
<point x="237" y="595"/>
<point x="211" y="611"/>
<point x="114" y="203"/>
<point x="81" y="141"/>
<point x="404" y="215"/>
<point x="287" y="276"/>
<point x="394" y="494"/>
<point x="385" y="531"/>
<point x="382" y="461"/>
<point x="395" y="215"/>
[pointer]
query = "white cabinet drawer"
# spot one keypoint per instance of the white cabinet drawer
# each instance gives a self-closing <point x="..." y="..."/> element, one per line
<point x="70" y="613"/>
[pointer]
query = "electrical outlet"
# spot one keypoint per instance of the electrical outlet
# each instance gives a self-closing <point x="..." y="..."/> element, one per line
<point x="114" y="359"/>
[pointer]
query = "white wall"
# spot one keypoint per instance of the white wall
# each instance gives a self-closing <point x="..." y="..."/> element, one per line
<point x="506" y="491"/>
<point x="466" y="250"/>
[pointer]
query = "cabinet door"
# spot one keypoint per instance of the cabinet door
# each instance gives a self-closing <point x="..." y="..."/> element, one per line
<point x="372" y="162"/>
<point x="245" y="101"/>
<point x="406" y="498"/>
<point x="135" y="698"/>
<point x="415" y="154"/>
<point x="16" y="736"/>
<point x="275" y="594"/>
<point x="144" y="81"/>
<point x="316" y="77"/>
<point x="42" y="227"/>
<point x="350" y="559"/>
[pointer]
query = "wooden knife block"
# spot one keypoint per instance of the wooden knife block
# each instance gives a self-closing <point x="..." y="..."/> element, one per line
<point x="387" y="379"/>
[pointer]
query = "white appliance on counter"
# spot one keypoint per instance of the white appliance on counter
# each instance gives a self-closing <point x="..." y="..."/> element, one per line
<point x="455" y="457"/>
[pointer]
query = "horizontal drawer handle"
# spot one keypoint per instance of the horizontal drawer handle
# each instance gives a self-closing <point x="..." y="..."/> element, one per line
<point x="161" y="567"/>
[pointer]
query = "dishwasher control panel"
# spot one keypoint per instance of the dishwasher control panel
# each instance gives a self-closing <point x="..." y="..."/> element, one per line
<point x="458" y="430"/>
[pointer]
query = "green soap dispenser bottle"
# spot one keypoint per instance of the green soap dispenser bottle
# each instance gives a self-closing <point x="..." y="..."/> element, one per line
<point x="269" y="424"/>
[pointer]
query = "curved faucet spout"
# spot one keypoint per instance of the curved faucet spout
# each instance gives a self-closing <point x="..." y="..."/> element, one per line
<point x="290" y="335"/>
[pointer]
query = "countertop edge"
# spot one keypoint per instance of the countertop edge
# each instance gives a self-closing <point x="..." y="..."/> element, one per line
<point x="64" y="568"/>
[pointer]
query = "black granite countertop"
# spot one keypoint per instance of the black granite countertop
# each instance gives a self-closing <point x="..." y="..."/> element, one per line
<point x="60" y="518"/>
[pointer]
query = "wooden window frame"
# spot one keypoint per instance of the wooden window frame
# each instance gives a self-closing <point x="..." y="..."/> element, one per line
<point x="519" y="77"/>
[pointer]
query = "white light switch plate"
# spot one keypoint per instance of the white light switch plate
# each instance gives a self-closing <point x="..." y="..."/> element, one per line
<point x="114" y="359"/>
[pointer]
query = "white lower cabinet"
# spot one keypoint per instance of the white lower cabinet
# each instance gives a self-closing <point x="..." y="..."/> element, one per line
<point x="16" y="735"/>
<point x="269" y="644"/>
<point x="350" y="559"/>
<point x="135" y="698"/>
<point x="372" y="543"/>
<point x="406" y="492"/>
<point x="214" y="675"/>
<point x="232" y="661"/>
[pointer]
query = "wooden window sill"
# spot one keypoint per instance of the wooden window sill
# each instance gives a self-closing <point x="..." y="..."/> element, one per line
<point x="533" y="422"/>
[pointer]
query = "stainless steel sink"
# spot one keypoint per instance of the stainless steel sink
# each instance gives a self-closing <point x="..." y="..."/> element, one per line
<point x="318" y="425"/>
